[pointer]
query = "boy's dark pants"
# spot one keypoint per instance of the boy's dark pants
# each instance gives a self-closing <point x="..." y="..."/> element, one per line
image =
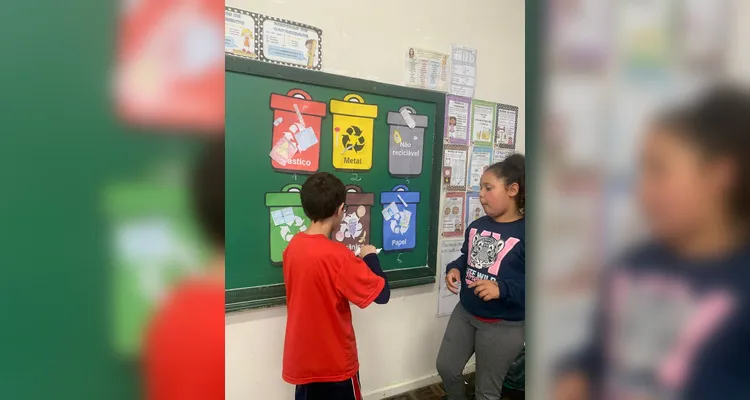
<point x="346" y="390"/>
<point x="496" y="345"/>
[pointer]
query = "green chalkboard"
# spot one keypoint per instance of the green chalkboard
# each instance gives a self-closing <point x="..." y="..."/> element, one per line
<point x="262" y="208"/>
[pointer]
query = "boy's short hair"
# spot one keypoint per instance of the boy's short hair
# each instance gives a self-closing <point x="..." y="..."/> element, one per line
<point x="208" y="190"/>
<point x="322" y="194"/>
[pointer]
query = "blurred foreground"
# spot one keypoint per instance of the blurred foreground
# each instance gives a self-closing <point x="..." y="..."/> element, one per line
<point x="609" y="67"/>
<point x="105" y="108"/>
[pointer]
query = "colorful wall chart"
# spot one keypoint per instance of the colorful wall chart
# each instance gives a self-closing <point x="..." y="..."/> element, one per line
<point x="474" y="209"/>
<point x="270" y="39"/>
<point x="505" y="127"/>
<point x="454" y="167"/>
<point x="457" y="118"/>
<point x="481" y="159"/>
<point x="453" y="215"/>
<point x="482" y="122"/>
<point x="240" y="32"/>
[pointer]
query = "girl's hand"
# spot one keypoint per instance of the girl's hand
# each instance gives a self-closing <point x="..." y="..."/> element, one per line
<point x="485" y="289"/>
<point x="451" y="280"/>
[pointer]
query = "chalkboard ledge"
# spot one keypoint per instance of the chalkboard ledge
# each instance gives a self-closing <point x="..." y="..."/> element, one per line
<point x="274" y="295"/>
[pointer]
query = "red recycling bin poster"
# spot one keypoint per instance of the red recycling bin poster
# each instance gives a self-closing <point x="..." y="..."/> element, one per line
<point x="295" y="145"/>
<point x="169" y="69"/>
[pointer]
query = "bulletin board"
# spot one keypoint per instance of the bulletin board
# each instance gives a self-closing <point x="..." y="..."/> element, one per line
<point x="284" y="123"/>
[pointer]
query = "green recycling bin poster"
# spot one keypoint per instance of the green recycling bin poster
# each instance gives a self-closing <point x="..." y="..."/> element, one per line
<point x="286" y="219"/>
<point x="154" y="243"/>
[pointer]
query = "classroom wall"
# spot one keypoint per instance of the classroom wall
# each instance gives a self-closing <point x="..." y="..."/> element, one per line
<point x="398" y="343"/>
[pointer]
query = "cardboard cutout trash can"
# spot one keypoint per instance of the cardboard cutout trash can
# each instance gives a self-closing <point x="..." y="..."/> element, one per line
<point x="354" y="230"/>
<point x="303" y="156"/>
<point x="400" y="218"/>
<point x="406" y="145"/>
<point x="286" y="219"/>
<point x="353" y="124"/>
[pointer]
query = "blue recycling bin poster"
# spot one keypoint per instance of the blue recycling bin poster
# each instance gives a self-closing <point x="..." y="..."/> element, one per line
<point x="399" y="218"/>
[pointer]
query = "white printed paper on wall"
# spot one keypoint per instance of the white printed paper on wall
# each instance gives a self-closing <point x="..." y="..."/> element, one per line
<point x="426" y="69"/>
<point x="474" y="209"/>
<point x="463" y="71"/>
<point x="450" y="250"/>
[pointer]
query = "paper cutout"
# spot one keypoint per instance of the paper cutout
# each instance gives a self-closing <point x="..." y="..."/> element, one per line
<point x="399" y="227"/>
<point x="353" y="124"/>
<point x="287" y="219"/>
<point x="406" y="143"/>
<point x="283" y="151"/>
<point x="302" y="134"/>
<point x="482" y="122"/>
<point x="306" y="138"/>
<point x="354" y="230"/>
<point x="391" y="211"/>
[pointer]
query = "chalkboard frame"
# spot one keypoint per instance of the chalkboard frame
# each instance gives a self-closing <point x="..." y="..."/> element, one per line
<point x="274" y="295"/>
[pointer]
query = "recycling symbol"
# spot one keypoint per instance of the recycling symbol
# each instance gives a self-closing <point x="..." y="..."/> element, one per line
<point x="353" y="139"/>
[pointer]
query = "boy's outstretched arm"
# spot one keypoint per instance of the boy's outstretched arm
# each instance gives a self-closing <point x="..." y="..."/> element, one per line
<point x="362" y="282"/>
<point x="373" y="262"/>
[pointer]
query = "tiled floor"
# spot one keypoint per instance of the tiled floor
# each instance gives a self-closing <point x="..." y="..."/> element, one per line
<point x="436" y="392"/>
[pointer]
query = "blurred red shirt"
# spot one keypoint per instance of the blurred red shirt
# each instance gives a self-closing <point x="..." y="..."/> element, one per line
<point x="184" y="346"/>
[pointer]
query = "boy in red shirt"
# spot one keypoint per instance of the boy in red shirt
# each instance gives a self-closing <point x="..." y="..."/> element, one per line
<point x="322" y="277"/>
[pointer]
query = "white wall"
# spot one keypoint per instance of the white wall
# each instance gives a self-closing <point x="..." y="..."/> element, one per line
<point x="367" y="39"/>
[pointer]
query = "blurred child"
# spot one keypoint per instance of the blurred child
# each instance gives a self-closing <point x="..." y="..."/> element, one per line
<point x="321" y="278"/>
<point x="673" y="318"/>
<point x="184" y="345"/>
<point x="489" y="319"/>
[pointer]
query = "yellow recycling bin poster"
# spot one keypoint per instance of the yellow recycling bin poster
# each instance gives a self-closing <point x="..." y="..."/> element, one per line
<point x="353" y="124"/>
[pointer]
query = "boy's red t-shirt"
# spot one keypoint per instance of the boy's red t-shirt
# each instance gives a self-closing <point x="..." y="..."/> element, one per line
<point x="184" y="345"/>
<point x="321" y="278"/>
